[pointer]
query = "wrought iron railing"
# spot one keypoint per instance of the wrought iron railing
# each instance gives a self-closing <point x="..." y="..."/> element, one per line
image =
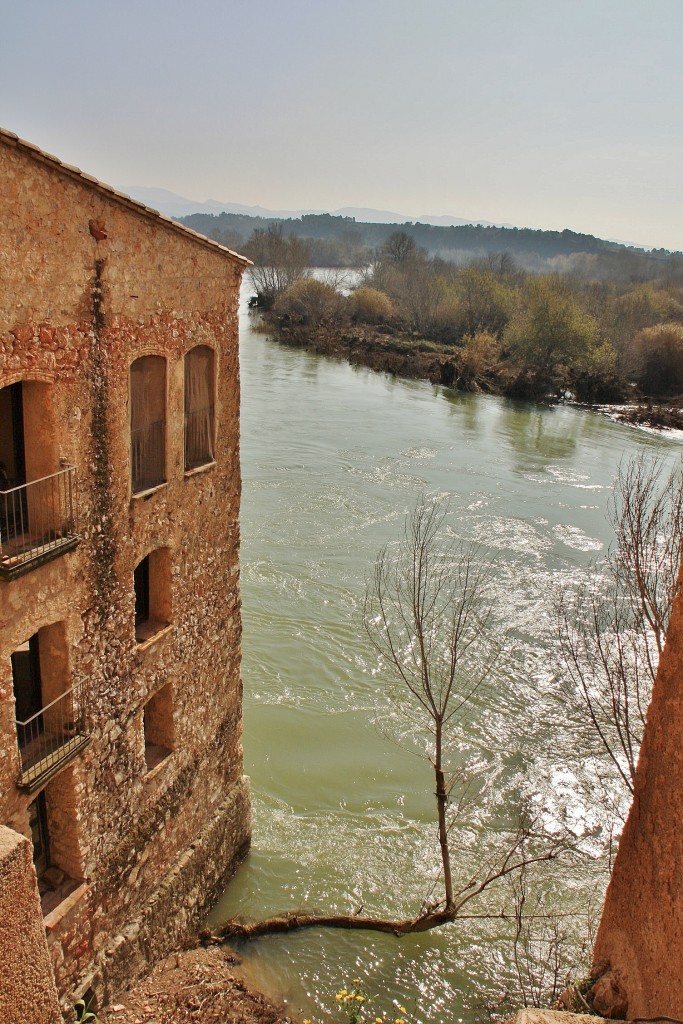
<point x="37" y="518"/>
<point x="198" y="437"/>
<point x="147" y="456"/>
<point x="52" y="736"/>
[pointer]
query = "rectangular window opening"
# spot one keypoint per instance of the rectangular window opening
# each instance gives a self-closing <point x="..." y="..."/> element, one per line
<point x="152" y="586"/>
<point x="157" y="717"/>
<point x="56" y="857"/>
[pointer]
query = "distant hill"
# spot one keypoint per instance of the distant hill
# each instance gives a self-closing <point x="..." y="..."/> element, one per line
<point x="176" y="206"/>
<point x="350" y="235"/>
<point x="344" y="241"/>
<point x="173" y="205"/>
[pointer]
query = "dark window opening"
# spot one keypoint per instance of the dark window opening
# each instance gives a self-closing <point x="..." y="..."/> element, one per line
<point x="51" y="714"/>
<point x="38" y="498"/>
<point x="14" y="522"/>
<point x="141" y="581"/>
<point x="54" y="883"/>
<point x="37" y="822"/>
<point x="28" y="694"/>
<point x="12" y="453"/>
<point x="152" y="584"/>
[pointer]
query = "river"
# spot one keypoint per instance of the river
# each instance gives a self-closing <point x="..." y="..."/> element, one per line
<point x="333" y="457"/>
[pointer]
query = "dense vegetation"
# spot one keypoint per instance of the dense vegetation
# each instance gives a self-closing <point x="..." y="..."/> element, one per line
<point x="515" y="311"/>
<point x="486" y="325"/>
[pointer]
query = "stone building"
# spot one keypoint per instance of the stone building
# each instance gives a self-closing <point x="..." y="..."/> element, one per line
<point x="120" y="626"/>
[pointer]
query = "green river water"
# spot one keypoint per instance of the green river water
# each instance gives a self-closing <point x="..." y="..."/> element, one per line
<point x="332" y="459"/>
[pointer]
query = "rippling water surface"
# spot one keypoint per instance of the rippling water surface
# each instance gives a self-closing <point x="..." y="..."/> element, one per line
<point x="333" y="457"/>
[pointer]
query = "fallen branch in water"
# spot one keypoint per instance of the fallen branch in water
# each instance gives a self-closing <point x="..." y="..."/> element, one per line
<point x="432" y="918"/>
<point x="293" y="920"/>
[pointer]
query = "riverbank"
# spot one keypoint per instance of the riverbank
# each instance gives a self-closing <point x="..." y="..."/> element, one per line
<point x="410" y="356"/>
<point x="203" y="984"/>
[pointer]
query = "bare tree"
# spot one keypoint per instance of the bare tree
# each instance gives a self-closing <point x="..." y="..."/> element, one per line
<point x="279" y="261"/>
<point x="613" y="631"/>
<point x="427" y="613"/>
<point x="545" y="950"/>
<point x="400" y="247"/>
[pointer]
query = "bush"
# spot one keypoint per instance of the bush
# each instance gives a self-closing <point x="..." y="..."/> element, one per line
<point x="659" y="359"/>
<point x="550" y="328"/>
<point x="310" y="302"/>
<point x="370" y="306"/>
<point x="478" y="355"/>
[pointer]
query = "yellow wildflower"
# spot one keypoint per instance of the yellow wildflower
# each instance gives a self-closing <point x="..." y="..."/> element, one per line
<point x="403" y="1009"/>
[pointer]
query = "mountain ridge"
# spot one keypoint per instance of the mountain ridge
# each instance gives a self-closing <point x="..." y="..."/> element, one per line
<point x="173" y="205"/>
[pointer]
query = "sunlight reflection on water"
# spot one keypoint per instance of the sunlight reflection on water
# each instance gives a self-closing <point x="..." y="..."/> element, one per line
<point x="333" y="457"/>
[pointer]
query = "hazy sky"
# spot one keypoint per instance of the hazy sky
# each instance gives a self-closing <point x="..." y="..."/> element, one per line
<point x="540" y="113"/>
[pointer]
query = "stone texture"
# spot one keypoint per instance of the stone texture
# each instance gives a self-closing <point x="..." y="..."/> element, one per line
<point x="641" y="930"/>
<point x="533" y="1016"/>
<point x="77" y="307"/>
<point x="609" y="997"/>
<point x="27" y="989"/>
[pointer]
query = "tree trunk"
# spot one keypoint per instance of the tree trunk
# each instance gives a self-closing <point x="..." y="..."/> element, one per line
<point x="441" y="803"/>
<point x="292" y="921"/>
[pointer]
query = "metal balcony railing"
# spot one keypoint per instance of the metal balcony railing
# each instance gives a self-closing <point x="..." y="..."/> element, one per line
<point x="38" y="520"/>
<point x="147" y="456"/>
<point x="52" y="737"/>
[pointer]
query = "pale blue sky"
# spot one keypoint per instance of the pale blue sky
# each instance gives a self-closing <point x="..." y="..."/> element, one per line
<point x="541" y="113"/>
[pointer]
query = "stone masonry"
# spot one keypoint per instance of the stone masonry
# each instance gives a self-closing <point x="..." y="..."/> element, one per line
<point x="27" y="992"/>
<point x="145" y="810"/>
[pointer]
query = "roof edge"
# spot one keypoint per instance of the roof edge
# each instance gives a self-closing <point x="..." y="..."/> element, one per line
<point x="10" y="139"/>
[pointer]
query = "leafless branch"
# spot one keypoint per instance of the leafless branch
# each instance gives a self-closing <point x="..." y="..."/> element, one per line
<point x="612" y="632"/>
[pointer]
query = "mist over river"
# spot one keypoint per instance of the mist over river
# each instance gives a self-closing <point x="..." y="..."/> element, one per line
<point x="333" y="457"/>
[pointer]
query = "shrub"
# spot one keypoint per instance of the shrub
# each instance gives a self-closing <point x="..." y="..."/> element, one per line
<point x="479" y="353"/>
<point x="658" y="354"/>
<point x="371" y="306"/>
<point x="309" y="301"/>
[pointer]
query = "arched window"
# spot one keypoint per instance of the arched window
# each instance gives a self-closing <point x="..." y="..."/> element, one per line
<point x="199" y="418"/>
<point x="147" y="422"/>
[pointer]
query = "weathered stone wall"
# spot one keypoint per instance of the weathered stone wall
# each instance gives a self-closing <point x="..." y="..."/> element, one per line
<point x="641" y="930"/>
<point x="75" y="312"/>
<point x="27" y="988"/>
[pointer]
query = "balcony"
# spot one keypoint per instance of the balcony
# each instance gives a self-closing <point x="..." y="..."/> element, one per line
<point x="51" y="738"/>
<point x="37" y="522"/>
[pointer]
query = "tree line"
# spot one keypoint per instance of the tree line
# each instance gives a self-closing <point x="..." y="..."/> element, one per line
<point x="490" y="324"/>
<point x="335" y="241"/>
